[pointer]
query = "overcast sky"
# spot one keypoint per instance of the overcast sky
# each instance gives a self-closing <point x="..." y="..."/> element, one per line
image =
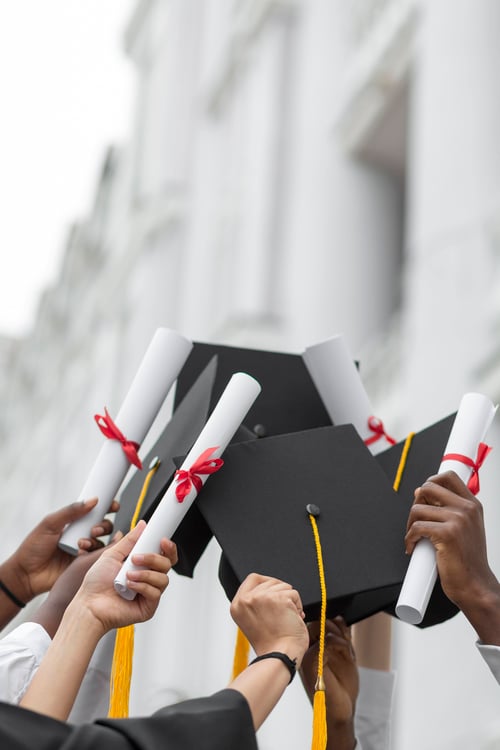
<point x="66" y="91"/>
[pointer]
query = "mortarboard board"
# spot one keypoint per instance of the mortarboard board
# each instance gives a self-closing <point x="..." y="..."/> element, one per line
<point x="424" y="456"/>
<point x="289" y="400"/>
<point x="423" y="460"/>
<point x="175" y="441"/>
<point x="256" y="508"/>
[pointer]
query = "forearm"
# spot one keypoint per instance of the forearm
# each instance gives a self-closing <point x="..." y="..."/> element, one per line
<point x="56" y="683"/>
<point x="49" y="615"/>
<point x="262" y="684"/>
<point x="372" y="642"/>
<point x="341" y="736"/>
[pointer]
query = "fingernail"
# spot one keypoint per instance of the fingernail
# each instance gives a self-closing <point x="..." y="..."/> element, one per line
<point x="99" y="531"/>
<point x="138" y="559"/>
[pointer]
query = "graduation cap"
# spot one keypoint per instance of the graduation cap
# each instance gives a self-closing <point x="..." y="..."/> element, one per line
<point x="256" y="508"/>
<point x="177" y="438"/>
<point x="289" y="400"/>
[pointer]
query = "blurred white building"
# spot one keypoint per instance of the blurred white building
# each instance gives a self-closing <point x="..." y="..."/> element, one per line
<point x="298" y="168"/>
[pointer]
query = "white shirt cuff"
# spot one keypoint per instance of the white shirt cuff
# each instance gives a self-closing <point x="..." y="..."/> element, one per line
<point x="372" y="719"/>
<point x="491" y="655"/>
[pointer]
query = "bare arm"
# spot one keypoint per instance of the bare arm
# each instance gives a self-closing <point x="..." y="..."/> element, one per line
<point x="270" y="614"/>
<point x="262" y="685"/>
<point x="372" y="642"/>
<point x="95" y="610"/>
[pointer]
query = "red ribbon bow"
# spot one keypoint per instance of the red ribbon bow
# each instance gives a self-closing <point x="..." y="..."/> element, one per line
<point x="187" y="478"/>
<point x="377" y="427"/>
<point x="482" y="452"/>
<point x="111" y="431"/>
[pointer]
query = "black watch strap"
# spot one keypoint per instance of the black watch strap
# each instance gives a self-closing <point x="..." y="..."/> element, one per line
<point x="290" y="664"/>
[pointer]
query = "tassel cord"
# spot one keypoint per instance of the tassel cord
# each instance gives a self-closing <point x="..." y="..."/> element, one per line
<point x="121" y="669"/>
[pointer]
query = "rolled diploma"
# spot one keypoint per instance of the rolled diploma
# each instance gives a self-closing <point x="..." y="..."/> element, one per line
<point x="337" y="380"/>
<point x="157" y="372"/>
<point x="229" y="412"/>
<point x="473" y="419"/>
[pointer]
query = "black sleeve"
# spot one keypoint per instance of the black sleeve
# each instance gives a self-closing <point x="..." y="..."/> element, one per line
<point x="220" y="722"/>
<point x="21" y="729"/>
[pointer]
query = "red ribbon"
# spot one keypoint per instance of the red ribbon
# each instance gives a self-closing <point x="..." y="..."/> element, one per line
<point x="187" y="478"/>
<point x="482" y="452"/>
<point x="111" y="431"/>
<point x="377" y="427"/>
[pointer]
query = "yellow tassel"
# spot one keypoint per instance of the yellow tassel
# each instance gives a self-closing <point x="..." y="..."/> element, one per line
<point x="319" y="737"/>
<point x="121" y="673"/>
<point x="241" y="653"/>
<point x="320" y="734"/>
<point x="123" y="655"/>
<point x="402" y="461"/>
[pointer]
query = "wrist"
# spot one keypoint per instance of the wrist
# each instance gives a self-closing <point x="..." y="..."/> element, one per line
<point x="341" y="736"/>
<point x="16" y="579"/>
<point x="290" y="664"/>
<point x="482" y="609"/>
<point x="288" y="646"/>
<point x="79" y="611"/>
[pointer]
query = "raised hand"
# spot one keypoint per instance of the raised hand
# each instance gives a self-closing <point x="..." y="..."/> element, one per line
<point x="451" y="517"/>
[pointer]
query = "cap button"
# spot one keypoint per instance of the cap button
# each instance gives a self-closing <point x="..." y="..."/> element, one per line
<point x="260" y="430"/>
<point x="313" y="510"/>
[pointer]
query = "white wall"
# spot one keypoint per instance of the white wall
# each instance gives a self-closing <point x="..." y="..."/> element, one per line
<point x="237" y="215"/>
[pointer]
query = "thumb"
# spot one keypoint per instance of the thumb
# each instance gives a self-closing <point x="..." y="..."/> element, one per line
<point x="123" y="547"/>
<point x="57" y="521"/>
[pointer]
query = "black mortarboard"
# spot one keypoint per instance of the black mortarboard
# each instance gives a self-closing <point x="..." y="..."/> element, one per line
<point x="289" y="400"/>
<point x="424" y="457"/>
<point x="348" y="473"/>
<point x="175" y="441"/>
<point x="256" y="507"/>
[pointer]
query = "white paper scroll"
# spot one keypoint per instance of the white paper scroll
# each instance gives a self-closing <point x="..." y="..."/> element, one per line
<point x="473" y="419"/>
<point x="158" y="370"/>
<point x="229" y="412"/>
<point x="337" y="380"/>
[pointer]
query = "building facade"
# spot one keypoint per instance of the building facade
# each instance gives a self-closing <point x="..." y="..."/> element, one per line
<point x="297" y="168"/>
